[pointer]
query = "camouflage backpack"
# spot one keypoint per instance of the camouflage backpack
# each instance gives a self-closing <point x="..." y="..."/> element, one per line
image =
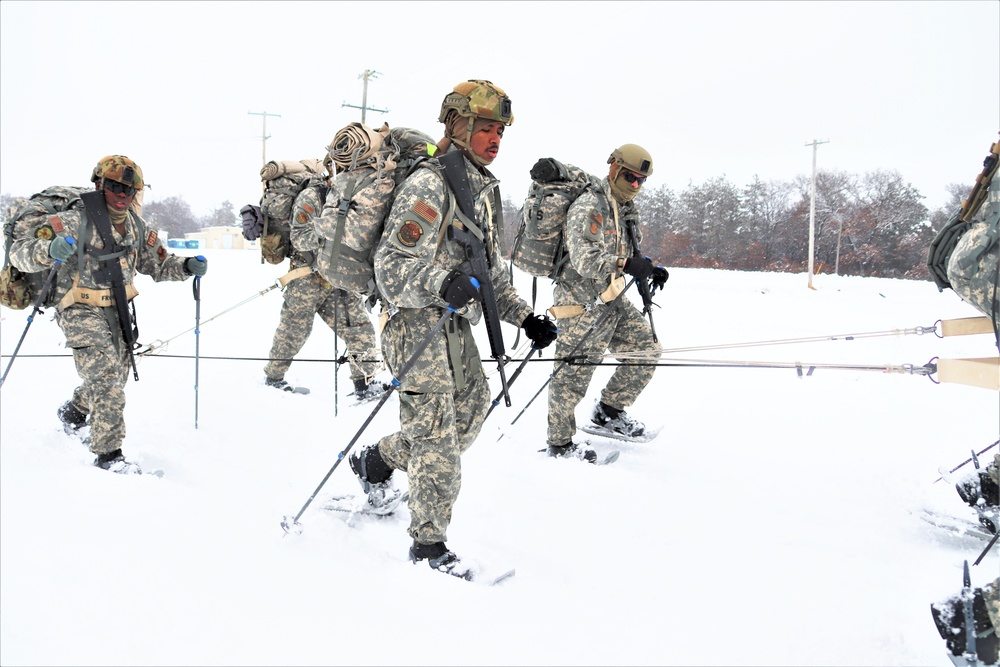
<point x="18" y="289"/>
<point x="369" y="164"/>
<point x="538" y="245"/>
<point x="283" y="181"/>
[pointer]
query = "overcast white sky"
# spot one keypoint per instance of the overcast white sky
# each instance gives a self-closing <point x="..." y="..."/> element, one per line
<point x="709" y="88"/>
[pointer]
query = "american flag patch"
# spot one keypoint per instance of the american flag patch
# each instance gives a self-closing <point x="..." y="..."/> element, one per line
<point x="425" y="211"/>
<point x="56" y="223"/>
<point x="151" y="238"/>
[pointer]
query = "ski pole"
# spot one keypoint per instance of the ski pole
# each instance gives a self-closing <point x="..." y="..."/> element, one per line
<point x="36" y="308"/>
<point x="196" y="288"/>
<point x="524" y="362"/>
<point x="969" y="460"/>
<point x="287" y="522"/>
<point x="612" y="307"/>
<point x="336" y="352"/>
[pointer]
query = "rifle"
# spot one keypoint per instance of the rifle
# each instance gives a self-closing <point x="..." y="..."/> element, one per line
<point x="642" y="285"/>
<point x="472" y="239"/>
<point x="111" y="270"/>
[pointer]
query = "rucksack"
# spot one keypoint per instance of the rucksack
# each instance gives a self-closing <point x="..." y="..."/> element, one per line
<point x="19" y="289"/>
<point x="370" y="165"/>
<point x="538" y="245"/>
<point x="283" y="181"/>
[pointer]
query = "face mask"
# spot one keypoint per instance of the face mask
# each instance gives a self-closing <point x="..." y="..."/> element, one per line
<point x="622" y="189"/>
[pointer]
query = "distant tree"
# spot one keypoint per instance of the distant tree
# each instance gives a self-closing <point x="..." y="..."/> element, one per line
<point x="171" y="215"/>
<point x="5" y="202"/>
<point x="511" y="219"/>
<point x="223" y="216"/>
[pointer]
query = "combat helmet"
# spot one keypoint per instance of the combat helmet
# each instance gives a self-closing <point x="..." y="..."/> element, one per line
<point x="634" y="158"/>
<point x="117" y="168"/>
<point x="473" y="99"/>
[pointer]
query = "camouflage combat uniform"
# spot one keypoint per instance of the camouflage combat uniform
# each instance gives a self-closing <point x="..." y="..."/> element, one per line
<point x="311" y="295"/>
<point x="93" y="332"/>
<point x="598" y="246"/>
<point x="974" y="263"/>
<point x="974" y="272"/>
<point x="444" y="396"/>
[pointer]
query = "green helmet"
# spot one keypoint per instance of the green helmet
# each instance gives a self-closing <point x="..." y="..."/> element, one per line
<point x="118" y="168"/>
<point x="634" y="158"/>
<point x="478" y="98"/>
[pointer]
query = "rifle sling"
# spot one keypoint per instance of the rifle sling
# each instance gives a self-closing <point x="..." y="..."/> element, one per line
<point x="111" y="268"/>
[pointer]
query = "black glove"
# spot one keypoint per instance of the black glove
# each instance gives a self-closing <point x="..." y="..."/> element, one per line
<point x="540" y="329"/>
<point x="253" y="222"/>
<point x="660" y="275"/>
<point x="639" y="268"/>
<point x="458" y="290"/>
<point x="196" y="266"/>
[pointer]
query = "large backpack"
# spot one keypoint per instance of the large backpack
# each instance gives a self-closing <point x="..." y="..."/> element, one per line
<point x="283" y="181"/>
<point x="19" y="289"/>
<point x="370" y="165"/>
<point x="538" y="245"/>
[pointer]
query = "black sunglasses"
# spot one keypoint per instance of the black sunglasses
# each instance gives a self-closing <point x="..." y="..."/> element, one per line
<point x="118" y="188"/>
<point x="632" y="178"/>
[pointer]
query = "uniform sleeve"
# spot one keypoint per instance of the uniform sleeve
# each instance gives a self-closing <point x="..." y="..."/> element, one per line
<point x="30" y="250"/>
<point x="306" y="209"/>
<point x="153" y="260"/>
<point x="591" y="248"/>
<point x="404" y="263"/>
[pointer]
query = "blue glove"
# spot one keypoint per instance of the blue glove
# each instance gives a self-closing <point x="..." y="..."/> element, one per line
<point x="196" y="266"/>
<point x="61" y="249"/>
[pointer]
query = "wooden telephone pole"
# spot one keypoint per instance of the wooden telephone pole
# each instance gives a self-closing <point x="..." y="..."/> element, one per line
<point x="365" y="76"/>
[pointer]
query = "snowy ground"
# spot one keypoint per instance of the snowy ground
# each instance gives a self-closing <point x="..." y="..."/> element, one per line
<point x="772" y="522"/>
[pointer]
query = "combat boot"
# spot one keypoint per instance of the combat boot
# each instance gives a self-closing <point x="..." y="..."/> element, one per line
<point x="71" y="417"/>
<point x="375" y="476"/>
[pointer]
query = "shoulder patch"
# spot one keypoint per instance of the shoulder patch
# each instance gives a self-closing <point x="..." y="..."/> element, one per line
<point x="596" y="217"/>
<point x="45" y="232"/>
<point x="161" y="252"/>
<point x="56" y="222"/>
<point x="308" y="208"/>
<point x="425" y="211"/>
<point x="409" y="234"/>
<point x="302" y="217"/>
<point x="151" y="238"/>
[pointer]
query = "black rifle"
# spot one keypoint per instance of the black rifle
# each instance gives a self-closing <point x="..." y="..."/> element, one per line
<point x="109" y="260"/>
<point x="473" y="240"/>
<point x="642" y="285"/>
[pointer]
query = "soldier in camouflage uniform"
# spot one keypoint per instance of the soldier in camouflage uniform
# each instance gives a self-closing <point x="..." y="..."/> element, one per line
<point x="93" y="331"/>
<point x="309" y="295"/>
<point x="601" y="236"/>
<point x="974" y="274"/>
<point x="444" y="397"/>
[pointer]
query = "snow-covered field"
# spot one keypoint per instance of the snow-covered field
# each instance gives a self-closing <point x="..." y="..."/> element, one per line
<point x="771" y="522"/>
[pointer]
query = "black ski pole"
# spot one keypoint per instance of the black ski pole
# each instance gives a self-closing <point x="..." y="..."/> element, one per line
<point x="287" y="522"/>
<point x="612" y="307"/>
<point x="196" y="288"/>
<point x="970" y="459"/>
<point x="36" y="308"/>
<point x="524" y="362"/>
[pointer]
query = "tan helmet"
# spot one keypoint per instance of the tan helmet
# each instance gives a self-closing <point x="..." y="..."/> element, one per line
<point x="634" y="158"/>
<point x="478" y="98"/>
<point x="118" y="168"/>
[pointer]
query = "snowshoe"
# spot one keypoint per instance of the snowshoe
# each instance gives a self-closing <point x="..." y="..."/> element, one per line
<point x="949" y="617"/>
<point x="607" y="422"/>
<point x="116" y="462"/>
<point x="365" y="392"/>
<point x="582" y="452"/>
<point x="72" y="419"/>
<point x="284" y="386"/>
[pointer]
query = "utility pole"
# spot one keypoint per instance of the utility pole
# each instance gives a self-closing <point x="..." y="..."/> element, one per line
<point x="264" y="136"/>
<point x="812" y="211"/>
<point x="365" y="76"/>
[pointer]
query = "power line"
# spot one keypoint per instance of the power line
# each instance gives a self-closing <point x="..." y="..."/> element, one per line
<point x="365" y="76"/>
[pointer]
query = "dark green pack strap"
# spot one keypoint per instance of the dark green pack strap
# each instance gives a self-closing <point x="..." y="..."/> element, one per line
<point x="111" y="270"/>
